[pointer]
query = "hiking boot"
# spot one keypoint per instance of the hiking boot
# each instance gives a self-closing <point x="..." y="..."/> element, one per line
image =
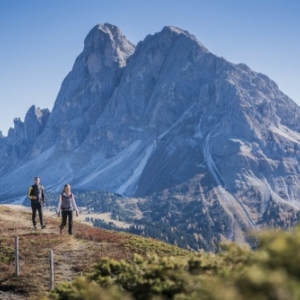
<point x="35" y="227"/>
<point x="43" y="226"/>
<point x="60" y="230"/>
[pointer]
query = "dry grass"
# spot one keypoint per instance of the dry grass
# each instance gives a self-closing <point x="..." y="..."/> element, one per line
<point x="73" y="255"/>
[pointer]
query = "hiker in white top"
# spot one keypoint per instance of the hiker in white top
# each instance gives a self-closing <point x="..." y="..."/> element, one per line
<point x="66" y="205"/>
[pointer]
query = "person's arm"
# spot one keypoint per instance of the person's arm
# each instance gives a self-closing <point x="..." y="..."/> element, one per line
<point x="74" y="205"/>
<point x="43" y="196"/>
<point x="29" y="193"/>
<point x="59" y="206"/>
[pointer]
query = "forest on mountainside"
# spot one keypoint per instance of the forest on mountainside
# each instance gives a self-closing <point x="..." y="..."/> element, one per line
<point x="188" y="224"/>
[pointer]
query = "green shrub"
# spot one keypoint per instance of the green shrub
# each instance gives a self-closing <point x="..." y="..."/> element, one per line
<point x="271" y="272"/>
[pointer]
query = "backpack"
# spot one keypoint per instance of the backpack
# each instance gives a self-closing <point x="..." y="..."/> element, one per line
<point x="66" y="205"/>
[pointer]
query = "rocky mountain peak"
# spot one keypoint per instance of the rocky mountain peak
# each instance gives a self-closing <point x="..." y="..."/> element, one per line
<point x="33" y="125"/>
<point x="176" y="31"/>
<point x="35" y="121"/>
<point x="87" y="89"/>
<point x="108" y="42"/>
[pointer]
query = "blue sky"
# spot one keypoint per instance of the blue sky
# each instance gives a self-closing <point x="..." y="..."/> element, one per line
<point x="40" y="40"/>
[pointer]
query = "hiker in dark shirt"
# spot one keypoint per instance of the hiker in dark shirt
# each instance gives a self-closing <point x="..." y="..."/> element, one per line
<point x="37" y="196"/>
<point x="66" y="205"/>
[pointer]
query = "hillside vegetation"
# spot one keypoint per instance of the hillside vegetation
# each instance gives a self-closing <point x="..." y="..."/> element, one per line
<point x="73" y="255"/>
<point x="237" y="273"/>
<point x="122" y="266"/>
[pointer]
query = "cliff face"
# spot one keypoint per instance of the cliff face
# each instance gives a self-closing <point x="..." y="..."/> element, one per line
<point x="164" y="115"/>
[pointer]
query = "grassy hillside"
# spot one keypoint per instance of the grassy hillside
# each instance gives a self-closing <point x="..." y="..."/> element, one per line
<point x="236" y="273"/>
<point x="118" y="266"/>
<point x="73" y="255"/>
